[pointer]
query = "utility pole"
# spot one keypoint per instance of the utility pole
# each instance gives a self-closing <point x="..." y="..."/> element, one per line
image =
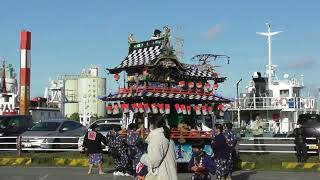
<point x="238" y="102"/>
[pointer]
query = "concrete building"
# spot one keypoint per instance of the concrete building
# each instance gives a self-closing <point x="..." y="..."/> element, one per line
<point x="78" y="94"/>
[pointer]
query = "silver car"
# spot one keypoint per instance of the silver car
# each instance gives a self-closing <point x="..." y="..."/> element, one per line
<point x="49" y="131"/>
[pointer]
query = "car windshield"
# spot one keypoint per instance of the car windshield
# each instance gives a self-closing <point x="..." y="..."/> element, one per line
<point x="10" y="121"/>
<point x="311" y="121"/>
<point x="46" y="126"/>
<point x="102" y="127"/>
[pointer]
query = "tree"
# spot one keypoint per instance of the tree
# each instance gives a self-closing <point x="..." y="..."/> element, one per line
<point x="75" y="117"/>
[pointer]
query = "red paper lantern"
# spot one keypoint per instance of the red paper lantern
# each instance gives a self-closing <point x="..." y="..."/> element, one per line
<point x="145" y="72"/>
<point x="221" y="107"/>
<point x="199" y="85"/>
<point x="207" y="85"/>
<point x="182" y="83"/>
<point x="191" y="85"/>
<point x="116" y="77"/>
<point x="167" y="108"/>
<point x="216" y="86"/>
<point x="188" y="109"/>
<point x="183" y="109"/>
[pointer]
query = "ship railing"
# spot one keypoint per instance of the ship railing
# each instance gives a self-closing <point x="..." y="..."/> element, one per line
<point x="270" y="126"/>
<point x="271" y="103"/>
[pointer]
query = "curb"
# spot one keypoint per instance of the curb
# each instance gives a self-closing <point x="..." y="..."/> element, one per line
<point x="247" y="165"/>
<point x="70" y="162"/>
<point x="305" y="166"/>
<point x="15" y="161"/>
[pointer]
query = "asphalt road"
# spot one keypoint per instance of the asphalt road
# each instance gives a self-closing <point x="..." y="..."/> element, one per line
<point x="64" y="173"/>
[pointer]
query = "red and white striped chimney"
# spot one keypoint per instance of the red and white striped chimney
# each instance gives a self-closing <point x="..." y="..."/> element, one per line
<point x="25" y="65"/>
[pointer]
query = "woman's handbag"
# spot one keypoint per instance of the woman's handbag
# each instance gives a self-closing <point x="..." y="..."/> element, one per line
<point x="155" y="176"/>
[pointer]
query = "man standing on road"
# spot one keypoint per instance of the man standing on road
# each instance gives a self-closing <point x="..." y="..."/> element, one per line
<point x="257" y="131"/>
<point x="301" y="147"/>
<point x="220" y="152"/>
<point x="232" y="140"/>
<point x="92" y="142"/>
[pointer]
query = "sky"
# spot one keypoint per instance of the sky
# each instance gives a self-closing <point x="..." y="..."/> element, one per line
<point x="68" y="36"/>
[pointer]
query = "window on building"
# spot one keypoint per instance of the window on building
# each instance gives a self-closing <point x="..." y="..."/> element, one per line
<point x="284" y="93"/>
<point x="296" y="92"/>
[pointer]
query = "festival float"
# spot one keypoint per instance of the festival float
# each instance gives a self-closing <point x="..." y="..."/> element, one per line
<point x="156" y="82"/>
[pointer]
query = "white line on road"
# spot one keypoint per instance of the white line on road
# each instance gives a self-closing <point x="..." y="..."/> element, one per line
<point x="43" y="177"/>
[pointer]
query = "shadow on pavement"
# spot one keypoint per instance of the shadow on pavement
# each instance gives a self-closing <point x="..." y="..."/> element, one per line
<point x="243" y="175"/>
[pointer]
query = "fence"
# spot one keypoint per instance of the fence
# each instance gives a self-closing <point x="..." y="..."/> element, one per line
<point x="34" y="143"/>
<point x="43" y="143"/>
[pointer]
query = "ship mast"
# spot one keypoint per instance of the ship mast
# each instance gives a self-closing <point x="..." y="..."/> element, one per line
<point x="269" y="70"/>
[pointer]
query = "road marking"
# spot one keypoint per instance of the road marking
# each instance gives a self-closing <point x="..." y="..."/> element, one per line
<point x="43" y="177"/>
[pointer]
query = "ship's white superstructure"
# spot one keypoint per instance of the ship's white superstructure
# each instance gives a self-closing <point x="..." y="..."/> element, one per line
<point x="278" y="101"/>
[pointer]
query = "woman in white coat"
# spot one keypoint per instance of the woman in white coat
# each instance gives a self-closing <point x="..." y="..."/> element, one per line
<point x="160" y="157"/>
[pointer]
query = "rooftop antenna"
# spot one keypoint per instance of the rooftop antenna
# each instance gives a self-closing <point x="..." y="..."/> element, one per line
<point x="179" y="41"/>
<point x="270" y="67"/>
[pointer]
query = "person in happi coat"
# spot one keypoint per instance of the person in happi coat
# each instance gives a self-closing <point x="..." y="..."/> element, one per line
<point x="92" y="144"/>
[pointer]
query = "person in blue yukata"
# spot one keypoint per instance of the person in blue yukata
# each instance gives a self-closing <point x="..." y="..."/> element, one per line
<point x="201" y="164"/>
<point x="118" y="150"/>
<point x="135" y="146"/>
<point x="232" y="141"/>
<point x="220" y="152"/>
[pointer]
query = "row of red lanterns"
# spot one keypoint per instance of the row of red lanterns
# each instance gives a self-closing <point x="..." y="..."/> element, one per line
<point x="161" y="108"/>
<point x="181" y="83"/>
<point x="117" y="76"/>
<point x="198" y="85"/>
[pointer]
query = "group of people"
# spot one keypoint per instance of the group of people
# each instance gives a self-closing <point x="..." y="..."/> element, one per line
<point x="221" y="161"/>
<point x="149" y="159"/>
<point x="155" y="157"/>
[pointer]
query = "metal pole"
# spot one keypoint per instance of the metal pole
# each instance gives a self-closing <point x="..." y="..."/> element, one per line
<point x="318" y="147"/>
<point x="238" y="102"/>
<point x="19" y="145"/>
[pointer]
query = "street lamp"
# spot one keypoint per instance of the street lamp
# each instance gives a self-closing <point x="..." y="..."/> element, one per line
<point x="238" y="102"/>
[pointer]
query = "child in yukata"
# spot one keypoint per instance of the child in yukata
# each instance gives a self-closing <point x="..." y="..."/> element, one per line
<point x="201" y="164"/>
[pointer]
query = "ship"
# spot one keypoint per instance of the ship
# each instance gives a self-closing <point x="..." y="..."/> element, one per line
<point x="278" y="102"/>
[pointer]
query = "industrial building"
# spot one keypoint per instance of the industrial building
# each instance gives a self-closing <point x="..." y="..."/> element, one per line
<point x="78" y="94"/>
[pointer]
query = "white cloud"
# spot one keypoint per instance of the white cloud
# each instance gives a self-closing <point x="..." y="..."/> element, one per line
<point x="301" y="64"/>
<point x="213" y="31"/>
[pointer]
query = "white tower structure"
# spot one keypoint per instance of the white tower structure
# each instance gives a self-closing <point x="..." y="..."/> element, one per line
<point x="270" y="66"/>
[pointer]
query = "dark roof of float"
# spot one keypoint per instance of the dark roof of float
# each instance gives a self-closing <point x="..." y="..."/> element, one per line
<point x="140" y="54"/>
<point x="147" y="53"/>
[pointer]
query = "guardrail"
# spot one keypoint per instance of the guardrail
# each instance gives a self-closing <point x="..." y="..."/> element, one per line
<point x="281" y="144"/>
<point x="35" y="143"/>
